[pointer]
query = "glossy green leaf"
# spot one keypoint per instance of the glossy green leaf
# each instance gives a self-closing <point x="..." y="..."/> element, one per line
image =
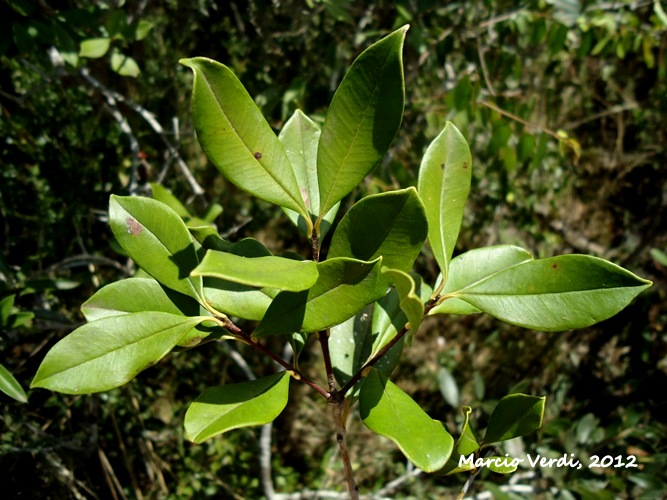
<point x="110" y="352"/>
<point x="145" y="294"/>
<point x="409" y="301"/>
<point x="10" y="386"/>
<point x="473" y="266"/>
<point x="136" y="295"/>
<point x="94" y="48"/>
<point x="300" y="137"/>
<point x="344" y="287"/>
<point x="233" y="406"/>
<point x="156" y="238"/>
<point x="164" y="195"/>
<point x="209" y="238"/>
<point x="389" y="319"/>
<point x="124" y="65"/>
<point x="559" y="293"/>
<point x="241" y="301"/>
<point x="363" y="119"/>
<point x="444" y="183"/>
<point x="273" y="272"/>
<point x="515" y="415"/>
<point x="237" y="138"/>
<point x="390" y="412"/>
<point x="350" y="345"/>
<point x="465" y="445"/>
<point x="392" y="225"/>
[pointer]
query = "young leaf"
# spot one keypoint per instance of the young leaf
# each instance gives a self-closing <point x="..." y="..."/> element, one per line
<point x="242" y="301"/>
<point x="409" y="301"/>
<point x="473" y="266"/>
<point x="300" y="137"/>
<point x="364" y="116"/>
<point x="233" y="406"/>
<point x="390" y="412"/>
<point x="559" y="293"/>
<point x="392" y="225"/>
<point x="515" y="415"/>
<point x="465" y="445"/>
<point x="444" y="184"/>
<point x="344" y="287"/>
<point x="156" y="238"/>
<point x="389" y="319"/>
<point x="273" y="272"/>
<point x="238" y="140"/>
<point x="109" y="352"/>
<point x="10" y="386"/>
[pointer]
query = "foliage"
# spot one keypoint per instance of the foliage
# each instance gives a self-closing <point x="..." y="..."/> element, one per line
<point x="485" y="67"/>
<point x="554" y="294"/>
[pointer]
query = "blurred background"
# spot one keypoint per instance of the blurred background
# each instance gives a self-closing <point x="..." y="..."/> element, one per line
<point x="564" y="104"/>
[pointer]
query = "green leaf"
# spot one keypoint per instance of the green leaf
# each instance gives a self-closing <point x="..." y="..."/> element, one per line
<point x="390" y="412"/>
<point x="237" y="300"/>
<point x="273" y="272"/>
<point x="238" y="140"/>
<point x="110" y="352"/>
<point x="465" y="445"/>
<point x="136" y="295"/>
<point x="209" y="238"/>
<point x="392" y="225"/>
<point x="559" y="293"/>
<point x="389" y="319"/>
<point x="124" y="65"/>
<point x="362" y="121"/>
<point x="500" y="465"/>
<point x="233" y="406"/>
<point x="300" y="137"/>
<point x="515" y="415"/>
<point x="10" y="386"/>
<point x="409" y="301"/>
<point x="350" y="345"/>
<point x="164" y="195"/>
<point x="344" y="287"/>
<point x="144" y="294"/>
<point x="444" y="183"/>
<point x="156" y="238"/>
<point x="473" y="266"/>
<point x="94" y="48"/>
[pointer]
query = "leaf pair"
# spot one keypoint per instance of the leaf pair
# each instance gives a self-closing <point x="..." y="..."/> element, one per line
<point x="304" y="171"/>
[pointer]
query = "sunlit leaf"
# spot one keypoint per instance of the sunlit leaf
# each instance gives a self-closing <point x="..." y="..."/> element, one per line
<point x="344" y="287"/>
<point x="300" y="137"/>
<point x="392" y="225"/>
<point x="110" y="352"/>
<point x="233" y="406"/>
<point x="156" y="238"/>
<point x="94" y="48"/>
<point x="273" y="272"/>
<point x="237" y="138"/>
<point x="465" y="445"/>
<point x="362" y="120"/>
<point x="10" y="386"/>
<point x="569" y="291"/>
<point x="473" y="266"/>
<point x="390" y="412"/>
<point x="444" y="183"/>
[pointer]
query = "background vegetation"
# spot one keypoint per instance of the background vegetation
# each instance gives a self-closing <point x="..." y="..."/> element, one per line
<point x="563" y="103"/>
